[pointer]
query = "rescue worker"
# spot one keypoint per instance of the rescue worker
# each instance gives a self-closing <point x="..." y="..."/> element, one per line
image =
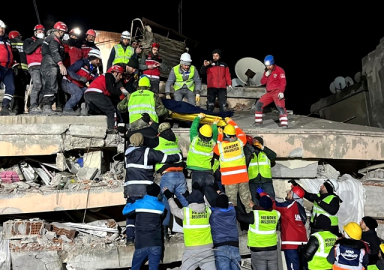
<point x="150" y="66"/>
<point x="88" y="45"/>
<point x="224" y="231"/>
<point x="172" y="175"/>
<point x="185" y="80"/>
<point x="349" y="252"/>
<point x="326" y="202"/>
<point x="32" y="48"/>
<point x="293" y="220"/>
<point x="200" y="152"/>
<point x="275" y="81"/>
<point x="80" y="73"/>
<point x="319" y="245"/>
<point x="22" y="76"/>
<point x="197" y="231"/>
<point x="99" y="95"/>
<point x="122" y="52"/>
<point x="149" y="212"/>
<point x="262" y="236"/>
<point x="52" y="66"/>
<point x="380" y="262"/>
<point x="6" y="70"/>
<point x="218" y="81"/>
<point x="368" y="226"/>
<point x="140" y="164"/>
<point x="72" y="47"/>
<point x="233" y="167"/>
<point x="260" y="159"/>
<point x="143" y="100"/>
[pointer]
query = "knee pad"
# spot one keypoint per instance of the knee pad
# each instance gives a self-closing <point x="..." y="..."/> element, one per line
<point x="281" y="110"/>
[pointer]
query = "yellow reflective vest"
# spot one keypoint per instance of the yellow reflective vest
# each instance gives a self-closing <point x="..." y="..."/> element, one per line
<point x="317" y="210"/>
<point x="200" y="153"/>
<point x="167" y="147"/>
<point x="326" y="241"/>
<point x="122" y="56"/>
<point x="262" y="233"/>
<point x="196" y="228"/>
<point x="259" y="164"/>
<point x="190" y="83"/>
<point x="142" y="101"/>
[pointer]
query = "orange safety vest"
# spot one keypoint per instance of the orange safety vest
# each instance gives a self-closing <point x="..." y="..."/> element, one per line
<point x="233" y="167"/>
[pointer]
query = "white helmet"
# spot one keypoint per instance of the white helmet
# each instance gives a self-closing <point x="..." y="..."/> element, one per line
<point x="95" y="52"/>
<point x="333" y="183"/>
<point x="2" y="24"/>
<point x="126" y="34"/>
<point x="186" y="57"/>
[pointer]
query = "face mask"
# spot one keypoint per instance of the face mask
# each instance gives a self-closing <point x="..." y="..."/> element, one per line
<point x="40" y="35"/>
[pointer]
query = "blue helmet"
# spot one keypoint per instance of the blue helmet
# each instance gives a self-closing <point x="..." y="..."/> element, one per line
<point x="269" y="60"/>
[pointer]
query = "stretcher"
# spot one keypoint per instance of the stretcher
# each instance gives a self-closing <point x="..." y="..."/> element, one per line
<point x="208" y="119"/>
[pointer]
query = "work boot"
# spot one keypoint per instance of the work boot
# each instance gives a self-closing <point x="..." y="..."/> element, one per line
<point x="167" y="236"/>
<point x="47" y="109"/>
<point x="5" y="111"/>
<point x="35" y="110"/>
<point x="71" y="112"/>
<point x="59" y="109"/>
<point x="130" y="242"/>
<point x="84" y="109"/>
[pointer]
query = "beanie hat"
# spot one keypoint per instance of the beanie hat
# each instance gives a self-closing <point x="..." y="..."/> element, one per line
<point x="136" y="139"/>
<point x="153" y="190"/>
<point x="133" y="63"/>
<point x="328" y="187"/>
<point x="217" y="51"/>
<point x="222" y="201"/>
<point x="260" y="140"/>
<point x="265" y="202"/>
<point x="322" y="222"/>
<point x="370" y="222"/>
<point x="196" y="197"/>
<point x="164" y="126"/>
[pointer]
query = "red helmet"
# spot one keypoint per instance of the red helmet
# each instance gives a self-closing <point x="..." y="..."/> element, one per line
<point x="155" y="45"/>
<point x="14" y="34"/>
<point x="249" y="139"/>
<point x="39" y="27"/>
<point x="298" y="191"/>
<point x="91" y="32"/>
<point x="116" y="68"/>
<point x="61" y="26"/>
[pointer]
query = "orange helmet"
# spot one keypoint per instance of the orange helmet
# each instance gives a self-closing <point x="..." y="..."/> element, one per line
<point x="61" y="26"/>
<point x="14" y="34"/>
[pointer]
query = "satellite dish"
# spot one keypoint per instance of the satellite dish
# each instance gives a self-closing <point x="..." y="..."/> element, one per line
<point x="357" y="77"/>
<point x="249" y="71"/>
<point x="339" y="83"/>
<point x="237" y="82"/>
<point x="348" y="81"/>
<point x="332" y="88"/>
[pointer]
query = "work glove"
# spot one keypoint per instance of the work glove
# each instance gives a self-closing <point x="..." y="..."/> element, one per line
<point x="201" y="115"/>
<point x="229" y="88"/>
<point x="168" y="96"/>
<point x="227" y="119"/>
<point x="146" y="118"/>
<point x="293" y="182"/>
<point x="83" y="80"/>
<point x="197" y="98"/>
<point x="124" y="91"/>
<point x="63" y="70"/>
<point x="267" y="73"/>
<point x="259" y="145"/>
<point x="280" y="96"/>
<point x="216" y="120"/>
<point x="168" y="194"/>
<point x="259" y="190"/>
<point x="136" y="77"/>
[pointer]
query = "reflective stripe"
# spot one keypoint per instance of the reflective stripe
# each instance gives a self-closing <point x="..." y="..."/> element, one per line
<point x="144" y="210"/>
<point x="170" y="150"/>
<point x="193" y="150"/>
<point x="292" y="243"/>
<point x="93" y="90"/>
<point x="130" y="225"/>
<point x="223" y="159"/>
<point x="320" y="253"/>
<point x="164" y="158"/>
<point x="138" y="182"/>
<point x="140" y="106"/>
<point x="259" y="163"/>
<point x="261" y="232"/>
<point x="258" y="114"/>
<point x="234" y="172"/>
<point x="196" y="226"/>
<point x="132" y="165"/>
<point x="283" y="118"/>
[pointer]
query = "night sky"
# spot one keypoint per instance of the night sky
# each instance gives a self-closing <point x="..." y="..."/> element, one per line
<point x="313" y="43"/>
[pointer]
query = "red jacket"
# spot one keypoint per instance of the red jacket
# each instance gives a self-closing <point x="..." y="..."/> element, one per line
<point x="98" y="85"/>
<point x="293" y="232"/>
<point x="72" y="54"/>
<point x="218" y="75"/>
<point x="275" y="81"/>
<point x="32" y="48"/>
<point x="151" y="60"/>
<point x="6" y="56"/>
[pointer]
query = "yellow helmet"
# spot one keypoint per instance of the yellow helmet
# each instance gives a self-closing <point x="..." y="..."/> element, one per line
<point x="382" y="248"/>
<point x="229" y="130"/>
<point x="206" y="130"/>
<point x="144" y="81"/>
<point x="353" y="230"/>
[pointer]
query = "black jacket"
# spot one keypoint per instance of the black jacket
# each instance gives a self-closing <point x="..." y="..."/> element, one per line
<point x="373" y="241"/>
<point x="249" y="150"/>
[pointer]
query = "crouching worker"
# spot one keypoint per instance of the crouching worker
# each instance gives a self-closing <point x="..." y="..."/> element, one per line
<point x="148" y="242"/>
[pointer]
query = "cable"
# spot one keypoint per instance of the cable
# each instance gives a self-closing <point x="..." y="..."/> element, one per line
<point x="36" y="11"/>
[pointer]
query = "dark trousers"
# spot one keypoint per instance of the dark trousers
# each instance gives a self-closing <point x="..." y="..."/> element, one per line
<point x="7" y="77"/>
<point x="153" y="254"/>
<point x="203" y="178"/>
<point x="37" y="85"/>
<point x="51" y="80"/>
<point x="101" y="104"/>
<point x="21" y="80"/>
<point x="221" y="94"/>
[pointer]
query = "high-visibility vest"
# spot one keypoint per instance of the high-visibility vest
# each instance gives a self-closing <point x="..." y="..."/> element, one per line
<point x="372" y="267"/>
<point x="196" y="228"/>
<point x="216" y="165"/>
<point x="262" y="233"/>
<point x="259" y="164"/>
<point x="326" y="241"/>
<point x="200" y="153"/>
<point x="167" y="147"/>
<point x="233" y="166"/>
<point x="122" y="56"/>
<point x="142" y="101"/>
<point x="317" y="210"/>
<point x="190" y="83"/>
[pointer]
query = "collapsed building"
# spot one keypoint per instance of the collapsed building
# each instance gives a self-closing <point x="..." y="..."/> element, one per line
<point x="61" y="188"/>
